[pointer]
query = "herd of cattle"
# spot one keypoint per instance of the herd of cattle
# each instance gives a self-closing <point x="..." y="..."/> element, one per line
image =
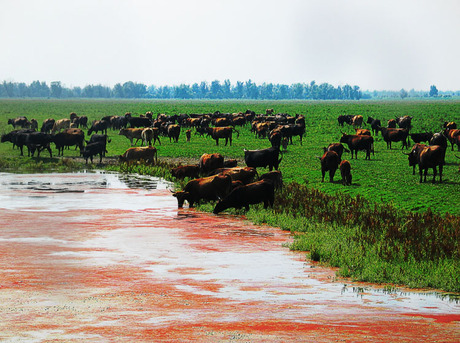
<point x="215" y="179"/>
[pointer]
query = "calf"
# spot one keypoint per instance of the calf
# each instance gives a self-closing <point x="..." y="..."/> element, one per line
<point x="243" y="196"/>
<point x="345" y="172"/>
<point x="93" y="149"/>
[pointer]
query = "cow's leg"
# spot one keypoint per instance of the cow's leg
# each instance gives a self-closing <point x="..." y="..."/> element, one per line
<point x="434" y="174"/>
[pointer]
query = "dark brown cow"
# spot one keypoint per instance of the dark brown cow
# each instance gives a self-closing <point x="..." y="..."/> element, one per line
<point x="395" y="135"/>
<point x="222" y="132"/>
<point x="429" y="157"/>
<point x="337" y="147"/>
<point x="261" y="129"/>
<point x="181" y="172"/>
<point x="391" y="123"/>
<point x="210" y="162"/>
<point x="358" y="142"/>
<point x="206" y="188"/>
<point x="449" y="125"/>
<point x="188" y="135"/>
<point x="253" y="193"/>
<point x="99" y="125"/>
<point x="345" y="172"/>
<point x="221" y="122"/>
<point x="69" y="137"/>
<point x="275" y="176"/>
<point x="148" y="154"/>
<point x="421" y="137"/>
<point x="329" y="162"/>
<point x="414" y="154"/>
<point x="47" y="125"/>
<point x="375" y="124"/>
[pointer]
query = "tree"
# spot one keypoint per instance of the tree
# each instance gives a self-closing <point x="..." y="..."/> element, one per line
<point x="56" y="89"/>
<point x="433" y="91"/>
<point x="403" y="93"/>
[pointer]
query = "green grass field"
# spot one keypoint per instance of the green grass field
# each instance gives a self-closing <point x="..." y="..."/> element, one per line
<point x="386" y="178"/>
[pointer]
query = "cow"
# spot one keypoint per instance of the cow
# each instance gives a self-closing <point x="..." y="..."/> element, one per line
<point x="210" y="162"/>
<point x="174" y="132"/>
<point x="68" y="137"/>
<point x="60" y="124"/>
<point x="221" y="122"/>
<point x="391" y="124"/>
<point x="243" y="196"/>
<point x="47" y="125"/>
<point x="188" y="135"/>
<point x="275" y="176"/>
<point x="138" y="121"/>
<point x="263" y="158"/>
<point x="244" y="174"/>
<point x="345" y="172"/>
<point x="34" y="124"/>
<point x="181" y="172"/>
<point x="364" y="132"/>
<point x="147" y="136"/>
<point x="404" y="122"/>
<point x="452" y="136"/>
<point x="428" y="157"/>
<point x="337" y="147"/>
<point x="222" y="132"/>
<point x="206" y="188"/>
<point x="275" y="137"/>
<point x="230" y="163"/>
<point x="21" y="122"/>
<point x="329" y="162"/>
<point x="395" y="135"/>
<point x="414" y="154"/>
<point x="345" y="118"/>
<point x="421" y="137"/>
<point x="260" y="129"/>
<point x="93" y="149"/>
<point x="357" y="142"/>
<point x="449" y="125"/>
<point x="103" y="139"/>
<point x="17" y="137"/>
<point x="292" y="130"/>
<point x="269" y="111"/>
<point x="375" y="124"/>
<point x="284" y="143"/>
<point x="38" y="141"/>
<point x="439" y="139"/>
<point x="131" y="134"/>
<point x="148" y="154"/>
<point x="80" y="121"/>
<point x="357" y="121"/>
<point x="99" y="125"/>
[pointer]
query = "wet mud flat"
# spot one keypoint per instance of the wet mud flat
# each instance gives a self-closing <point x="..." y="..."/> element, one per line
<point x="105" y="257"/>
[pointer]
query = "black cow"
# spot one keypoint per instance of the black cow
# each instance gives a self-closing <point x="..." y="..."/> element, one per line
<point x="47" y="125"/>
<point x="243" y="196"/>
<point x="375" y="124"/>
<point x="38" y="141"/>
<point x="67" y="138"/>
<point x="139" y="121"/>
<point x="93" y="149"/>
<point x="263" y="158"/>
<point x="103" y="139"/>
<point x="99" y="125"/>
<point x="17" y="137"/>
<point x="345" y="118"/>
<point x="421" y="137"/>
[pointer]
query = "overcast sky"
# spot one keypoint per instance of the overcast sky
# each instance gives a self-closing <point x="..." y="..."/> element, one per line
<point x="375" y="44"/>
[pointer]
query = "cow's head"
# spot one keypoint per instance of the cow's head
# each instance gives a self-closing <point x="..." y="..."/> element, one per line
<point x="181" y="197"/>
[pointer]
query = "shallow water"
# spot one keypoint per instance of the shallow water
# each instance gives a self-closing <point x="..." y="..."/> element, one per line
<point x="115" y="257"/>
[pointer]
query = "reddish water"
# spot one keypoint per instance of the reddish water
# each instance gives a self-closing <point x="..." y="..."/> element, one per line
<point x="95" y="258"/>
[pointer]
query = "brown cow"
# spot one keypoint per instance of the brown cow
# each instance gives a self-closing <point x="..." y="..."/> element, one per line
<point x="147" y="136"/>
<point x="452" y="135"/>
<point x="414" y="154"/>
<point x="222" y="132"/>
<point x="244" y="174"/>
<point x="395" y="135"/>
<point x="173" y="132"/>
<point x="275" y="176"/>
<point x="131" y="134"/>
<point x="345" y="172"/>
<point x="148" y="154"/>
<point x="337" y="147"/>
<point x="206" y="188"/>
<point x="429" y="157"/>
<point x="188" y="135"/>
<point x="209" y="162"/>
<point x="60" y="124"/>
<point x="358" y="142"/>
<point x="181" y="172"/>
<point x="329" y="162"/>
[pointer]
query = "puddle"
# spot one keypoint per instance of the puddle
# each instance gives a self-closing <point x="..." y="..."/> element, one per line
<point x="116" y="258"/>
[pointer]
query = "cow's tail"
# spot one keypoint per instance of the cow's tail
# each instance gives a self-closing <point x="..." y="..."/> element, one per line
<point x="237" y="132"/>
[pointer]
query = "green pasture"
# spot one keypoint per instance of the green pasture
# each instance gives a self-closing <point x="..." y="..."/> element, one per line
<point x="386" y="178"/>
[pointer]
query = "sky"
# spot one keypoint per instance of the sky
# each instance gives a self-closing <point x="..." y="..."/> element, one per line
<point x="377" y="45"/>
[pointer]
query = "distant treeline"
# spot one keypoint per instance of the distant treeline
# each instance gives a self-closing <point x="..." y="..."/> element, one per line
<point x="205" y="90"/>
